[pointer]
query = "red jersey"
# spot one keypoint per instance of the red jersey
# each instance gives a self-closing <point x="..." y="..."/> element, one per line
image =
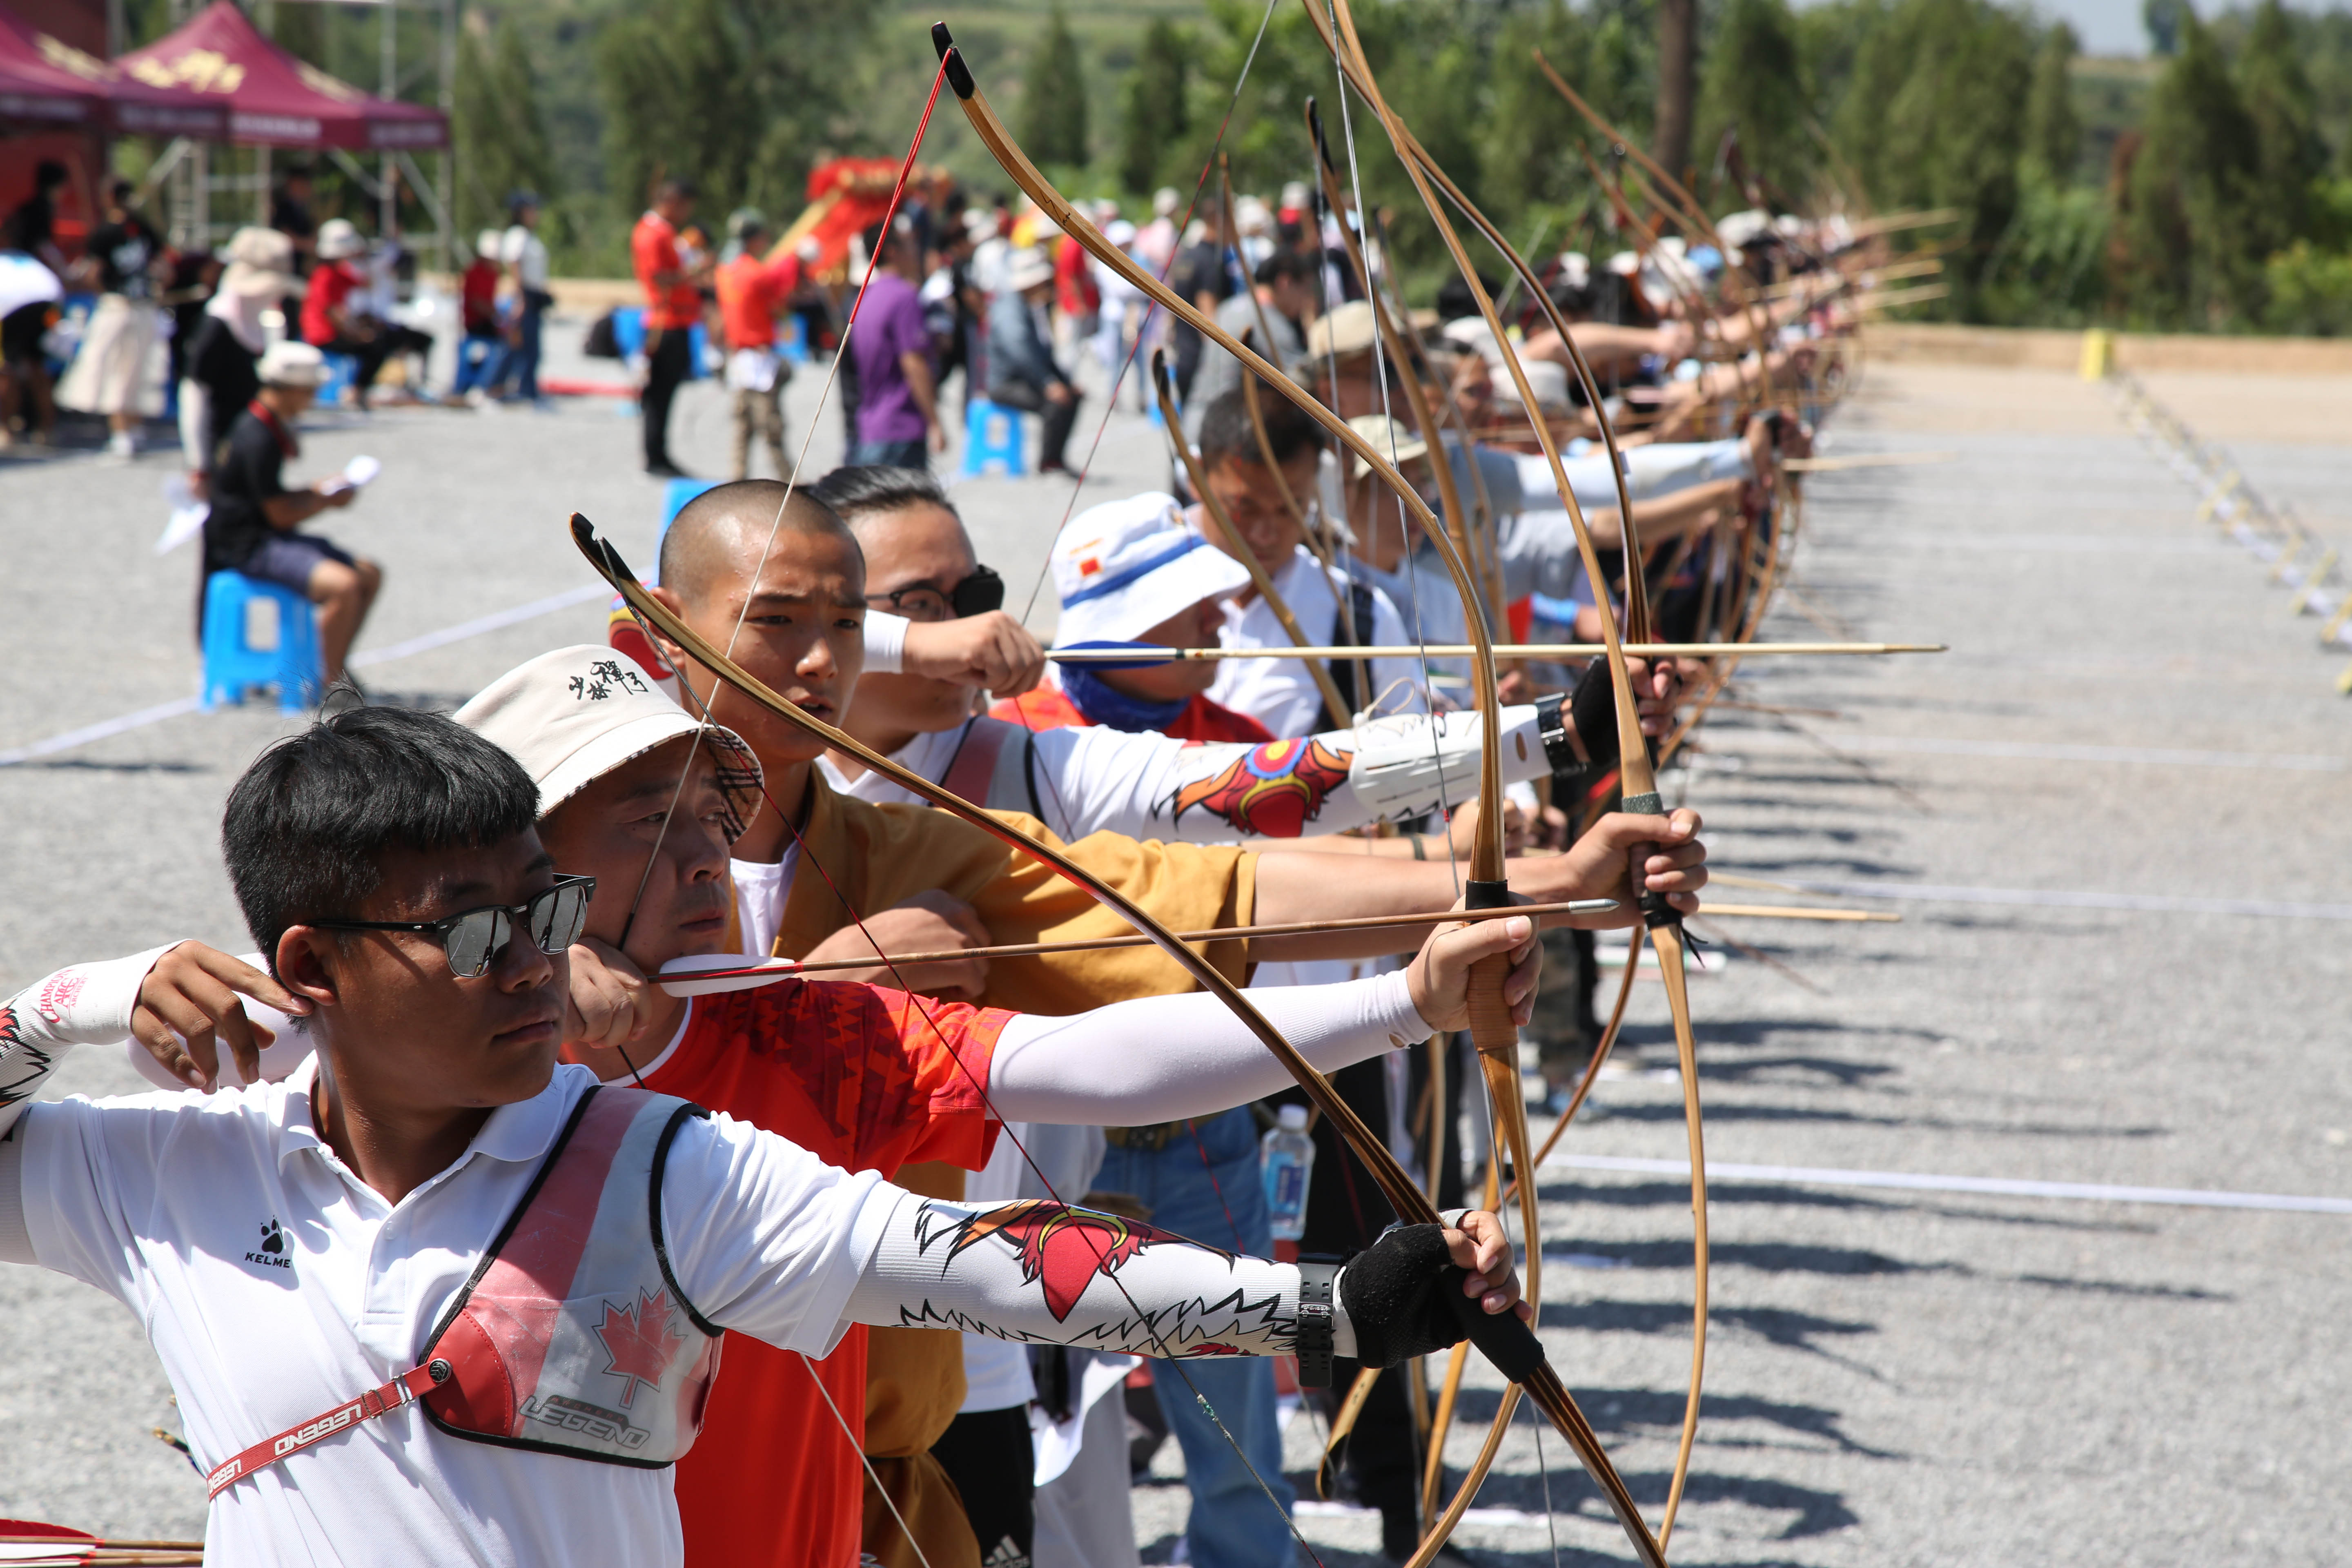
<point x="331" y="283"/>
<point x="1048" y="709"/>
<point x="478" y="298"/>
<point x="652" y="249"/>
<point x="750" y="290"/>
<point x="1075" y="290"/>
<point x="867" y="1079"/>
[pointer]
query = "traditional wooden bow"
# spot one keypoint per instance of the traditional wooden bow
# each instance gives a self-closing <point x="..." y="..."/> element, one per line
<point x="1521" y="1360"/>
<point x="1638" y="779"/>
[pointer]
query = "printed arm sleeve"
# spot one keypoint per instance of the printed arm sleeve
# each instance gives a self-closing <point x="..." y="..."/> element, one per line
<point x="1038" y="1272"/>
<point x="83" y="1005"/>
<point x="1149" y="786"/>
<point x="1162" y="1058"/>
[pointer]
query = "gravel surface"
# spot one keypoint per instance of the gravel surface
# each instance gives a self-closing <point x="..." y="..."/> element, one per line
<point x="1895" y="1376"/>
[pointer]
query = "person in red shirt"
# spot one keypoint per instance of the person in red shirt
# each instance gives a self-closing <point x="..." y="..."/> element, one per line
<point x="673" y="304"/>
<point x="481" y="352"/>
<point x="1118" y="568"/>
<point x="752" y="289"/>
<point x="635" y="794"/>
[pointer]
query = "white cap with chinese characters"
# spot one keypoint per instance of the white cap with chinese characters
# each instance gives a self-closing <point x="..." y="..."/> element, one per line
<point x="571" y="715"/>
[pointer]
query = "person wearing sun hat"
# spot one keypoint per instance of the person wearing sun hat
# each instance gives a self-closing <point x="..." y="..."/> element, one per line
<point x="1131" y="570"/>
<point x="219" y="358"/>
<point x="647" y="800"/>
<point x="1022" y="370"/>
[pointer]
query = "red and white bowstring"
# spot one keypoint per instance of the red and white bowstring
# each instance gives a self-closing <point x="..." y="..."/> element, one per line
<point x="1152" y="312"/>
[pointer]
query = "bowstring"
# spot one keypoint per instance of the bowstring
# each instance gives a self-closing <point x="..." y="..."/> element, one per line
<point x="1380" y="376"/>
<point x="1151" y="311"/>
<point x="916" y="1000"/>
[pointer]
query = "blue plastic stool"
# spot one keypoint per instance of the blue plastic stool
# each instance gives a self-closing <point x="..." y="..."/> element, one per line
<point x="232" y="664"/>
<point x="342" y="375"/>
<point x="992" y="438"/>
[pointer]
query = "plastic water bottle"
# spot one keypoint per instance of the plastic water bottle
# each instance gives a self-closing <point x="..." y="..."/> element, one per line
<point x="1286" y="1160"/>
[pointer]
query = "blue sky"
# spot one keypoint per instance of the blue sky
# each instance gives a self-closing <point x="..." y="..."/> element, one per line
<point x="2112" y="27"/>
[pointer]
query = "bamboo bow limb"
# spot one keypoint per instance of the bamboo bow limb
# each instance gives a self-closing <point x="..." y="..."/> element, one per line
<point x="1541" y="1381"/>
<point x="1638" y="781"/>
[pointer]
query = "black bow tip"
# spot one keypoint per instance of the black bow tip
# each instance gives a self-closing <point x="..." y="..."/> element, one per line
<point x="952" y="61"/>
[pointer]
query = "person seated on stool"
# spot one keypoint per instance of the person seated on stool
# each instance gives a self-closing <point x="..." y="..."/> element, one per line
<point x="254" y="516"/>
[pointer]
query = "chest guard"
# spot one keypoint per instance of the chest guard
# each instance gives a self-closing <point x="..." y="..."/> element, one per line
<point x="991" y="767"/>
<point x="573" y="1337"/>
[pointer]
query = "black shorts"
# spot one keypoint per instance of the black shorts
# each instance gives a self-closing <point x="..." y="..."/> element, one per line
<point x="289" y="558"/>
<point x="21" y="331"/>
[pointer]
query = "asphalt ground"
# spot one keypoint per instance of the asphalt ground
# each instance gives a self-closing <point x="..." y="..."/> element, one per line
<point x="1895" y="1375"/>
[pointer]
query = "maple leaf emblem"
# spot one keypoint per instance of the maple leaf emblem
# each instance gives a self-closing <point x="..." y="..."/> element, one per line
<point x="1064" y="1248"/>
<point x="638" y="1340"/>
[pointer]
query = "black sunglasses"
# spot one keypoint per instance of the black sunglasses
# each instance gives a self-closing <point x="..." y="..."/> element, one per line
<point x="976" y="595"/>
<point x="473" y="939"/>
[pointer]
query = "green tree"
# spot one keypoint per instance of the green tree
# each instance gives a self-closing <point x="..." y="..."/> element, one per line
<point x="501" y="140"/>
<point x="2288" y="153"/>
<point x="1155" y="111"/>
<point x="1754" y="87"/>
<point x="2053" y="135"/>
<point x="1053" y="98"/>
<point x="736" y="95"/>
<point x="1929" y="119"/>
<point x="2189" y="251"/>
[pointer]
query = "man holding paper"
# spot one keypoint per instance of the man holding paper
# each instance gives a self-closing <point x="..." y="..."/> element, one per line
<point x="255" y="516"/>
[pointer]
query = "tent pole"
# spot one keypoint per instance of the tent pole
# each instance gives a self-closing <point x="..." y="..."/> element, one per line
<point x="448" y="171"/>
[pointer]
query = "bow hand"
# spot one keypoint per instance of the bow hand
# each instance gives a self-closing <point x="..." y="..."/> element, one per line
<point x="1439" y="977"/>
<point x="1422" y="1289"/>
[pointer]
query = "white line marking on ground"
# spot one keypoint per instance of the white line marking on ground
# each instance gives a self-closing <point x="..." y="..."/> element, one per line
<point x="496" y="621"/>
<point x="1736" y="741"/>
<point x="1803" y="1175"/>
<point x="2037" y="897"/>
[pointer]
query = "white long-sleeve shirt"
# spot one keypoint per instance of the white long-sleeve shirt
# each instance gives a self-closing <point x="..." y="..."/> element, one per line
<point x="1146" y="785"/>
<point x="164" y="1201"/>
<point x="1280" y="693"/>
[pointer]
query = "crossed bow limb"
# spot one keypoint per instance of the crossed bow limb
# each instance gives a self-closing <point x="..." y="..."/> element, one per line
<point x="1637" y="776"/>
<point x="1521" y="1358"/>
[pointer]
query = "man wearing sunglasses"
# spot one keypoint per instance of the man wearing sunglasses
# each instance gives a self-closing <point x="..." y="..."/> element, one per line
<point x="432" y="1211"/>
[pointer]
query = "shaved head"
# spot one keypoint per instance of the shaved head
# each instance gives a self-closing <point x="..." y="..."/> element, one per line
<point x="718" y="537"/>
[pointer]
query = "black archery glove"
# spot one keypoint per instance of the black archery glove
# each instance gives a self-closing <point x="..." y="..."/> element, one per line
<point x="1403" y="1297"/>
<point x="1592" y="708"/>
<point x="1394" y="1292"/>
<point x="1579" y="727"/>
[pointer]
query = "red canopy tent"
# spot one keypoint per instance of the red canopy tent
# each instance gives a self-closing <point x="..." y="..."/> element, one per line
<point x="49" y="83"/>
<point x="275" y="99"/>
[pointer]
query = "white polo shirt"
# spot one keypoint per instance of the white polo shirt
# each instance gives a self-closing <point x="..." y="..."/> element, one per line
<point x="274" y="1284"/>
<point x="1280" y="693"/>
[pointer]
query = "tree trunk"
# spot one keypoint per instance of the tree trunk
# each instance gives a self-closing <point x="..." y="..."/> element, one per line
<point x="1678" y="78"/>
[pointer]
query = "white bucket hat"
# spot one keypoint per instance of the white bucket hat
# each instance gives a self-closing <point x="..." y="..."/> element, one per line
<point x="339" y="238"/>
<point x="571" y="715"/>
<point x="1026" y="271"/>
<point x="1123" y="567"/>
<point x="292" y="363"/>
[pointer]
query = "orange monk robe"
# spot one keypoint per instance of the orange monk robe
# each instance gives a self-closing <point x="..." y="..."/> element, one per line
<point x="857" y="855"/>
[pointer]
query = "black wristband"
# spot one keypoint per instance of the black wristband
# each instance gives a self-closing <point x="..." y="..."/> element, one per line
<point x="1314" y="1321"/>
<point x="1592" y="708"/>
